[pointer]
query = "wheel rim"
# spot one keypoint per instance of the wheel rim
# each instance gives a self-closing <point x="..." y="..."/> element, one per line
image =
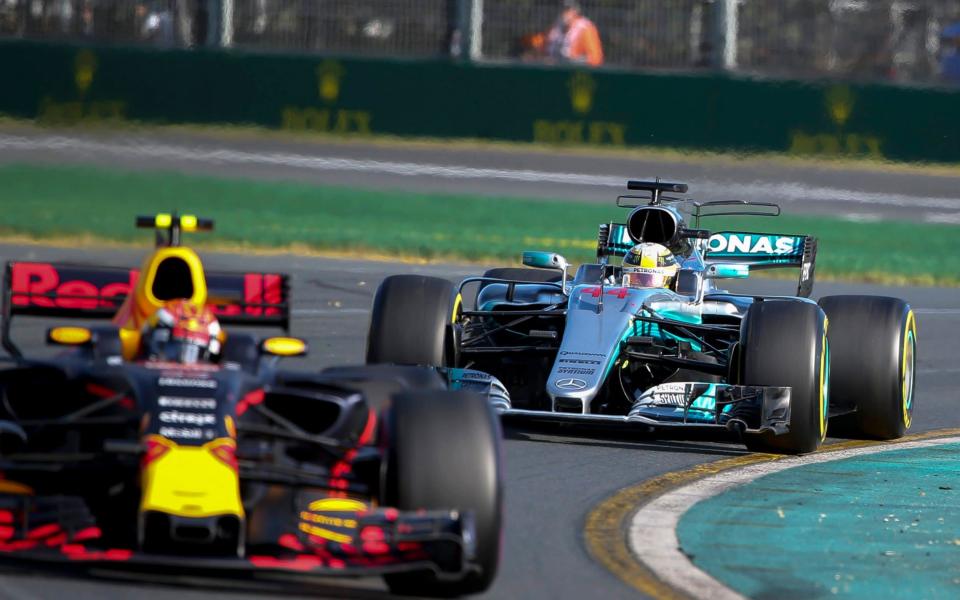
<point x="907" y="370"/>
<point x="457" y="309"/>
<point x="824" y="386"/>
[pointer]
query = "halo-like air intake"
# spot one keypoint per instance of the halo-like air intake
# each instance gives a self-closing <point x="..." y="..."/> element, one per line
<point x="654" y="224"/>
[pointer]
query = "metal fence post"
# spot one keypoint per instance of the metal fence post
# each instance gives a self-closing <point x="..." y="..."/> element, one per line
<point x="725" y="32"/>
<point x="226" y="23"/>
<point x="476" y="29"/>
<point x="470" y="25"/>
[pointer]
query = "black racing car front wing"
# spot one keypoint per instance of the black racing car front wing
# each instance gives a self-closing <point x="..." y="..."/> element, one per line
<point x="61" y="530"/>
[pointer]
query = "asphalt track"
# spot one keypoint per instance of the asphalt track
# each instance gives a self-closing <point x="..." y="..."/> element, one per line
<point x="867" y="192"/>
<point x="553" y="478"/>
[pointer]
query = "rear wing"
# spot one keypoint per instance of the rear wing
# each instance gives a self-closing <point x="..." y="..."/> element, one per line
<point x="758" y="250"/>
<point x="44" y="289"/>
<point x="766" y="251"/>
<point x="613" y="240"/>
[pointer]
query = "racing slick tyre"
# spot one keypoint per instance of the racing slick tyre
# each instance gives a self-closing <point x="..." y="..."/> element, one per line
<point x="241" y="349"/>
<point x="873" y="342"/>
<point x="412" y="321"/>
<point x="106" y="342"/>
<point x="443" y="452"/>
<point x="784" y="343"/>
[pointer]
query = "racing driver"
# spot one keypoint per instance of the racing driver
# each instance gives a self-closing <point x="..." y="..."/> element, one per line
<point x="182" y="332"/>
<point x="649" y="265"/>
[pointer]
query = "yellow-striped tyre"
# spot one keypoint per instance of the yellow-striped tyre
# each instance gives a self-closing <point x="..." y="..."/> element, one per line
<point x="784" y="343"/>
<point x="412" y="322"/>
<point x="873" y="346"/>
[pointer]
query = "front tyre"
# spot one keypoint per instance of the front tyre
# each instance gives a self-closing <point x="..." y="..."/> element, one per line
<point x="784" y="343"/>
<point x="412" y="321"/>
<point x="443" y="452"/>
<point x="873" y="343"/>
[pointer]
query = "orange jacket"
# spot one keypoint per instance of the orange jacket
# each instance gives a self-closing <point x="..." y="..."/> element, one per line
<point x="582" y="43"/>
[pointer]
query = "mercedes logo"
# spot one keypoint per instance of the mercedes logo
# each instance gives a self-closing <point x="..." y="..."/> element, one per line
<point x="570" y="384"/>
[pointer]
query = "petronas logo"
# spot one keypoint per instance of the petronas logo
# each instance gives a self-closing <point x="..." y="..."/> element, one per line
<point x="582" y="87"/>
<point x="329" y="74"/>
<point x="84" y="67"/>
<point x="840" y="103"/>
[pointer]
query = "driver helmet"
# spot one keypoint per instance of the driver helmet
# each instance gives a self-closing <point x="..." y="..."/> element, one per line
<point x="649" y="265"/>
<point x="183" y="332"/>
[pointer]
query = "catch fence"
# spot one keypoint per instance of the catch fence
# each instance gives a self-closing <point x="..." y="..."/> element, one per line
<point x="887" y="40"/>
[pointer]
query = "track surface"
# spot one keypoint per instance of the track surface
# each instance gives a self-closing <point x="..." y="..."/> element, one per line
<point x="857" y="193"/>
<point x="553" y="478"/>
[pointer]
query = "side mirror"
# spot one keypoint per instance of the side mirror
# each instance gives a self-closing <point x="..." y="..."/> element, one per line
<point x="727" y="271"/>
<point x="283" y="346"/>
<point x="544" y="260"/>
<point x="69" y="336"/>
<point x="547" y="260"/>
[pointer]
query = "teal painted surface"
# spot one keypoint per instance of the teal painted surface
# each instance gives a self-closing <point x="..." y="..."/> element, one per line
<point x="879" y="526"/>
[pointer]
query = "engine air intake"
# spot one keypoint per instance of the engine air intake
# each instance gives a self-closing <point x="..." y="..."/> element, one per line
<point x="653" y="224"/>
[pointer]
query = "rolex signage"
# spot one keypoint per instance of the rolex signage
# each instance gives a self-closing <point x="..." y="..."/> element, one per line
<point x="583" y="126"/>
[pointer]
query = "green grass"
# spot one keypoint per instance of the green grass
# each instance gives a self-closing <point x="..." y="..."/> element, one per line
<point x="48" y="203"/>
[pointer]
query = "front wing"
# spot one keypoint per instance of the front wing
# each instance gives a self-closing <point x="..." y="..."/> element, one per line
<point x="692" y="406"/>
<point x="59" y="529"/>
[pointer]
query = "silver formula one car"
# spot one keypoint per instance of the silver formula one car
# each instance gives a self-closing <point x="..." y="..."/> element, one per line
<point x="605" y="348"/>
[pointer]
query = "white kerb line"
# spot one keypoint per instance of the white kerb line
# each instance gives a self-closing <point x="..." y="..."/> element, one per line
<point x="652" y="537"/>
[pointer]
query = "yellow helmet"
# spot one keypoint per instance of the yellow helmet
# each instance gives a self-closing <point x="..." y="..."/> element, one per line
<point x="649" y="265"/>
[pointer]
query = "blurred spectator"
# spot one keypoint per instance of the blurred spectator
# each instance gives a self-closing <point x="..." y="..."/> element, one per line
<point x="86" y="19"/>
<point x="452" y="42"/>
<point x="573" y="38"/>
<point x="950" y="53"/>
<point x="581" y="40"/>
<point x="156" y="23"/>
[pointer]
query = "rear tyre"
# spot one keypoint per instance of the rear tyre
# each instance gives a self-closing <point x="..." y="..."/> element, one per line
<point x="243" y="350"/>
<point x="106" y="342"/>
<point x="784" y="343"/>
<point x="443" y="453"/>
<point x="873" y="341"/>
<point x="412" y="321"/>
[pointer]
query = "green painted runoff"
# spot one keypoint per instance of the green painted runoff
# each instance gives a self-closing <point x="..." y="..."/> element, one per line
<point x="883" y="525"/>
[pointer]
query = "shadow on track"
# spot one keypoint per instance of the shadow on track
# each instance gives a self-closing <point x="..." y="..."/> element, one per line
<point x="166" y="584"/>
<point x="712" y="444"/>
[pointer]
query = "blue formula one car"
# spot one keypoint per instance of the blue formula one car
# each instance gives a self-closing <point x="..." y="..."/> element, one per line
<point x="652" y="341"/>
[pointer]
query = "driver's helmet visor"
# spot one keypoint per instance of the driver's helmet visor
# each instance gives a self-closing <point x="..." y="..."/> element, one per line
<point x="647" y="279"/>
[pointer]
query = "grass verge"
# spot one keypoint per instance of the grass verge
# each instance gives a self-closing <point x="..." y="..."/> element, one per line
<point x="73" y="203"/>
